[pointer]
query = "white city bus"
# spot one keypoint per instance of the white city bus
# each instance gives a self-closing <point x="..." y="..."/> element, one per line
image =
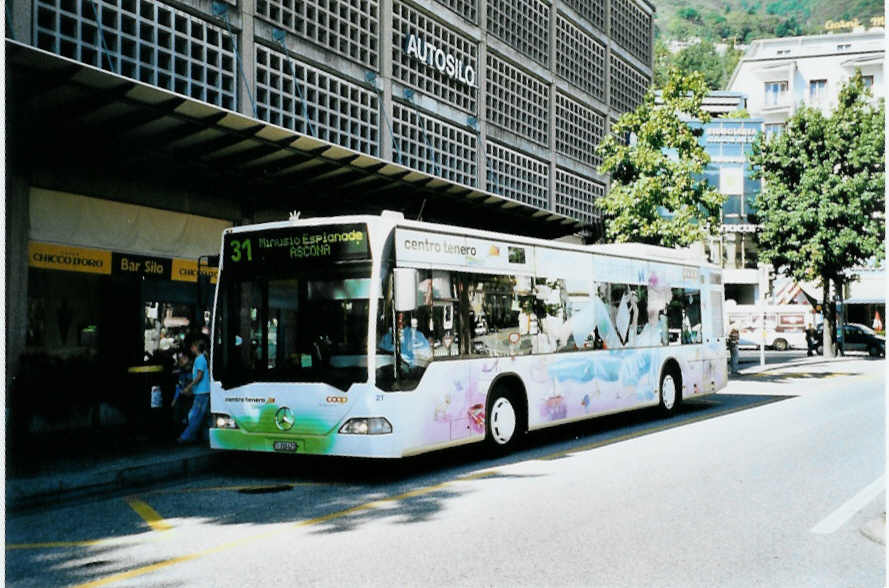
<point x="377" y="336"/>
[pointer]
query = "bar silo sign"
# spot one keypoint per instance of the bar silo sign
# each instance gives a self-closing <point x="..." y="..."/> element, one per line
<point x="423" y="51"/>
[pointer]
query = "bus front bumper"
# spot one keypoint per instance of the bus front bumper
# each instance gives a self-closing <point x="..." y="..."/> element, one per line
<point x="382" y="446"/>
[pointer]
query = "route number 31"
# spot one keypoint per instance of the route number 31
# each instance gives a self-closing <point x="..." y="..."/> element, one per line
<point x="241" y="249"/>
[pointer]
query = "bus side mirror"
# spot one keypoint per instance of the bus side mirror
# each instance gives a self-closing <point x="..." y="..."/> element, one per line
<point x="405" y="289"/>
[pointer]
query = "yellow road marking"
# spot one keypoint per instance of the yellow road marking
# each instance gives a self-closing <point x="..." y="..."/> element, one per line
<point x="250" y="539"/>
<point x="480" y="475"/>
<point x="151" y="516"/>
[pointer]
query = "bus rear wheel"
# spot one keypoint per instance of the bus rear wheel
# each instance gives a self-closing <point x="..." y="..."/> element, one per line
<point x="670" y="391"/>
<point x="780" y="345"/>
<point x="505" y="421"/>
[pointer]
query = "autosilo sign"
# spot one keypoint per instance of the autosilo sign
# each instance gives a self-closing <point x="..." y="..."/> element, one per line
<point x="425" y="52"/>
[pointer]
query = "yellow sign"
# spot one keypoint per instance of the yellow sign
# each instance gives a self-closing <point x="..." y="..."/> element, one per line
<point x="72" y="259"/>
<point x="186" y="270"/>
<point x="835" y="25"/>
<point x="99" y="261"/>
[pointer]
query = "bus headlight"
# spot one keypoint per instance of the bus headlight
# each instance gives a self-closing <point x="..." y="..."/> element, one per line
<point x="223" y="421"/>
<point x="366" y="426"/>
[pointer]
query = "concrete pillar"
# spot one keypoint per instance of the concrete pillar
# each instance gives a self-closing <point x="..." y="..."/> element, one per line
<point x="246" y="47"/>
<point x="16" y="275"/>
<point x="481" y="95"/>
<point x="552" y="105"/>
<point x="384" y="81"/>
<point x="22" y="18"/>
<point x="731" y="250"/>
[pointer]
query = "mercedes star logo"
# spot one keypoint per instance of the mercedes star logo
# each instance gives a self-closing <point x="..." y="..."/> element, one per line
<point x="284" y="418"/>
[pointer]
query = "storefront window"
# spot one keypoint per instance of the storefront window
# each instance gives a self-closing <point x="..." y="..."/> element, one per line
<point x="166" y="328"/>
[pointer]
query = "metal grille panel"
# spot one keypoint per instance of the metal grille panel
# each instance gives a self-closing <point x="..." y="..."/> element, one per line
<point x="523" y="25"/>
<point x="425" y="78"/>
<point x="144" y="40"/>
<point x="468" y="9"/>
<point x="516" y="176"/>
<point x="576" y="197"/>
<point x="592" y="10"/>
<point x="581" y="59"/>
<point x="628" y="86"/>
<point x="349" y="28"/>
<point x="579" y="129"/>
<point x="517" y="101"/>
<point x="433" y="146"/>
<point x="340" y="112"/>
<point x="631" y="29"/>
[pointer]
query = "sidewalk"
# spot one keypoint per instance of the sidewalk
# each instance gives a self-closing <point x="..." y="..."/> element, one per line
<point x="66" y="479"/>
<point x="751" y="366"/>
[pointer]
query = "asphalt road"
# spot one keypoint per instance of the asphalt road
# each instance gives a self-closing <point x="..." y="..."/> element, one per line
<point x="771" y="482"/>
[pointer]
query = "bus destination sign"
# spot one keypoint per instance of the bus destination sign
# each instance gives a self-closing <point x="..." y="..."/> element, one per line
<point x="296" y="246"/>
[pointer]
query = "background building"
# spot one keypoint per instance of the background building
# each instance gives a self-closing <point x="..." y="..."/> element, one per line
<point x="780" y="75"/>
<point x="729" y="142"/>
<point x="139" y="129"/>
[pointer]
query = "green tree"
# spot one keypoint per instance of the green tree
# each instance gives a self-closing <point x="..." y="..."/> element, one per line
<point x="657" y="193"/>
<point x="821" y="208"/>
<point x="702" y="57"/>
<point x="663" y="60"/>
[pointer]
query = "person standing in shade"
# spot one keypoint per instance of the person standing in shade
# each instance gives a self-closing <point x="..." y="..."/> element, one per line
<point x="733" y="338"/>
<point x="811" y="340"/>
<point x="199" y="387"/>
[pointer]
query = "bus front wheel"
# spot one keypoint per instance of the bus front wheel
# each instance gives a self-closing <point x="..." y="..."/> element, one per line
<point x="671" y="391"/>
<point x="504" y="422"/>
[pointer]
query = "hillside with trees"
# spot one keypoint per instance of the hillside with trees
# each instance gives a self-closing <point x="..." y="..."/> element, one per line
<point x="716" y="27"/>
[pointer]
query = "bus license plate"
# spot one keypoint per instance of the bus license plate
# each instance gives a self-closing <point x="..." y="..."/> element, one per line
<point x="287" y="446"/>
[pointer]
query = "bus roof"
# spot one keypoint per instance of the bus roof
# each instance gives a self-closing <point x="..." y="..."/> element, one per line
<point x="687" y="256"/>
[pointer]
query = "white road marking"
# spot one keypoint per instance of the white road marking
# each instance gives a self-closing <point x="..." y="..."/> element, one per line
<point x="841" y="516"/>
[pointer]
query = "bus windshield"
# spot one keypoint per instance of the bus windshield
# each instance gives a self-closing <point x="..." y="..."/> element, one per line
<point x="283" y="320"/>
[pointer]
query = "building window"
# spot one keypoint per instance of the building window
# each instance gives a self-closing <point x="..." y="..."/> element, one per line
<point x="773" y="129"/>
<point x="516" y="176"/>
<point x="817" y="90"/>
<point x="516" y="101"/>
<point x="143" y="40"/>
<point x="776" y="93"/>
<point x="434" y="146"/>
<point x="298" y="96"/>
<point x="350" y="29"/>
<point x="631" y="29"/>
<point x="523" y="25"/>
<point x="868" y="81"/>
<point x="578" y="130"/>
<point x="581" y="59"/>
<point x="628" y="85"/>
<point x="576" y="197"/>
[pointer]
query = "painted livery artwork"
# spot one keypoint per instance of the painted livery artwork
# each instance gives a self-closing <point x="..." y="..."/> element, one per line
<point x="376" y="337"/>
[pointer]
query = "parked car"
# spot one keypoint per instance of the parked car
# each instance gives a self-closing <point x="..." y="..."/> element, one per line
<point x="857" y="337"/>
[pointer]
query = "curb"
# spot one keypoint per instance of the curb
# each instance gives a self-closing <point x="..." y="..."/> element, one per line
<point x="25" y="494"/>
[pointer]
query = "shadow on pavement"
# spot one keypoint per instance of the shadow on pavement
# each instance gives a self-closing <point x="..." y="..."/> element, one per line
<point x="333" y="495"/>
